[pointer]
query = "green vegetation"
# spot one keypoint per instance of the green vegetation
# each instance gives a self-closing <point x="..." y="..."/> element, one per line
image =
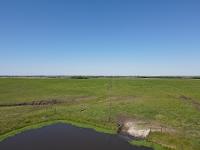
<point x="148" y="144"/>
<point x="100" y="102"/>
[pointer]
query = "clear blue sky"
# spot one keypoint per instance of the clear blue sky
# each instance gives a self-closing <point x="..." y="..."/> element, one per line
<point x="100" y="37"/>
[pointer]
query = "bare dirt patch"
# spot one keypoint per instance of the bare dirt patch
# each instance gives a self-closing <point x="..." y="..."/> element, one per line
<point x="140" y="129"/>
<point x="190" y="100"/>
<point x="34" y="103"/>
<point x="73" y="100"/>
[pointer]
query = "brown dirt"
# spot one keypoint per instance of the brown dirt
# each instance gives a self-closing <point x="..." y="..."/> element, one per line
<point x="194" y="103"/>
<point x="73" y="100"/>
<point x="153" y="126"/>
<point x="34" y="103"/>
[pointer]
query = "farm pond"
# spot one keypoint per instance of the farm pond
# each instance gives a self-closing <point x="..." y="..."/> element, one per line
<point x="66" y="137"/>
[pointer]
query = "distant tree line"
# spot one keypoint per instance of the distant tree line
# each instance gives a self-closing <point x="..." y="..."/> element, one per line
<point x="79" y="77"/>
<point x="88" y="77"/>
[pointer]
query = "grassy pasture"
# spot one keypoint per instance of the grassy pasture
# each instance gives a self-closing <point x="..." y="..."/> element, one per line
<point x="171" y="103"/>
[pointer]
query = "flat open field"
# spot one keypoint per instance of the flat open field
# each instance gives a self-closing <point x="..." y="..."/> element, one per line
<point x="170" y="107"/>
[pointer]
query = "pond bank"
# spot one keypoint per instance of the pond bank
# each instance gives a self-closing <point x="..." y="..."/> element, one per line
<point x="64" y="136"/>
<point x="101" y="129"/>
<point x="47" y="123"/>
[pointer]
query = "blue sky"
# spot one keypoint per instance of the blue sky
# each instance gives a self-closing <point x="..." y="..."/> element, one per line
<point x="100" y="37"/>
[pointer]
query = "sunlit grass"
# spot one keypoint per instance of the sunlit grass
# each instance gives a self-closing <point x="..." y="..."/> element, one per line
<point x="87" y="101"/>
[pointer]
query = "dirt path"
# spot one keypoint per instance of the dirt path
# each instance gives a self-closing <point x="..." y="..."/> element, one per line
<point x="34" y="103"/>
<point x="69" y="101"/>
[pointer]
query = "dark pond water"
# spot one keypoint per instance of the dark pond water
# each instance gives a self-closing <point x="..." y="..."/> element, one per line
<point x="66" y="137"/>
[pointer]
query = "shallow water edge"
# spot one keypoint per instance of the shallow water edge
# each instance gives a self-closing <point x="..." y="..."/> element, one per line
<point x="65" y="136"/>
<point x="69" y="122"/>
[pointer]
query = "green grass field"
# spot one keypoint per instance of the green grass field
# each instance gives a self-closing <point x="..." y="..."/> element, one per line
<point x="170" y="103"/>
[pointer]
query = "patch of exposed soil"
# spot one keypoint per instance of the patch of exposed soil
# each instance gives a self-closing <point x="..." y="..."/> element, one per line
<point x="140" y="129"/>
<point x="73" y="100"/>
<point x="194" y="103"/>
<point x="34" y="103"/>
<point x="183" y="97"/>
